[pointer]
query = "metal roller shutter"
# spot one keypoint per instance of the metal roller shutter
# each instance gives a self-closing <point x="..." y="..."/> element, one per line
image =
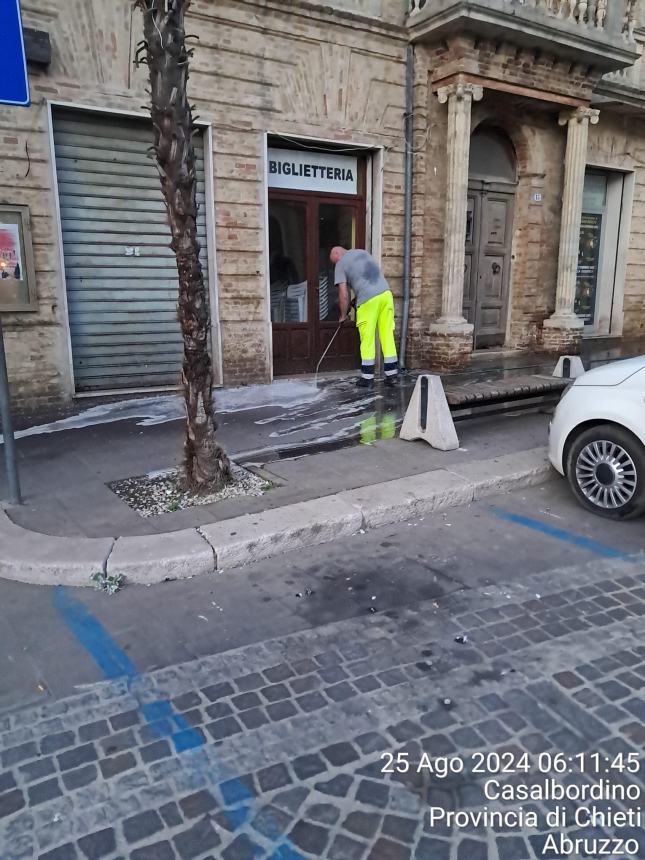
<point x="121" y="275"/>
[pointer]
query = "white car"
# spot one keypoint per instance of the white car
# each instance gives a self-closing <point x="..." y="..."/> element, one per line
<point x="597" y="438"/>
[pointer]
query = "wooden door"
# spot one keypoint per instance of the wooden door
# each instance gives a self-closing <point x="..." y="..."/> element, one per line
<point x="338" y="223"/>
<point x="470" y="267"/>
<point x="488" y="257"/>
<point x="290" y="228"/>
<point x="304" y="302"/>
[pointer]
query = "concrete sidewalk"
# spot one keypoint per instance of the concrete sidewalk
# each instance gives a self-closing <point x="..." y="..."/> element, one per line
<point x="307" y="443"/>
<point x="28" y="556"/>
<point x="73" y="525"/>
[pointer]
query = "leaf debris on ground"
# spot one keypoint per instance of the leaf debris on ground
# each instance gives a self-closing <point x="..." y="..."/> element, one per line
<point x="110" y="583"/>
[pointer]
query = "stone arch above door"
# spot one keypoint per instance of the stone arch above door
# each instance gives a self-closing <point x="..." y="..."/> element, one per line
<point x="492" y="156"/>
<point x="525" y="139"/>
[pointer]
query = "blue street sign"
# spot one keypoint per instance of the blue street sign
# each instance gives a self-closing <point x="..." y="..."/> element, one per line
<point x="14" y="85"/>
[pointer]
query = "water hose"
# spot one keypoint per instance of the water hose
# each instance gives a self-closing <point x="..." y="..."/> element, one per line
<point x="322" y="358"/>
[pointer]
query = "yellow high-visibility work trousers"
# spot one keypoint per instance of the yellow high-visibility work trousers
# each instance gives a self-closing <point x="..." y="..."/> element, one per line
<point x="377" y="314"/>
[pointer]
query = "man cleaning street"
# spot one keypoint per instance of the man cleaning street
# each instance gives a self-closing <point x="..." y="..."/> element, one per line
<point x="374" y="309"/>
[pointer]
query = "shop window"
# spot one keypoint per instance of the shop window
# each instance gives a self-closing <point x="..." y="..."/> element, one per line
<point x="336" y="226"/>
<point x="287" y="255"/>
<point x="597" y="253"/>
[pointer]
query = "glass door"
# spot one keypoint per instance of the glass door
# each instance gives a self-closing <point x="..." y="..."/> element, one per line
<point x="589" y="248"/>
<point x="338" y="223"/>
<point x="600" y="228"/>
<point x="303" y="228"/>
<point x="289" y="285"/>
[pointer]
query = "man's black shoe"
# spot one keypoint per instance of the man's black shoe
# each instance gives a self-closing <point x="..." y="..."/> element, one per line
<point x="363" y="383"/>
<point x="391" y="381"/>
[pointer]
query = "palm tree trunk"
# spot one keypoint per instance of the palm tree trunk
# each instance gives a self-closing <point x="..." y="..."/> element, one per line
<point x="206" y="466"/>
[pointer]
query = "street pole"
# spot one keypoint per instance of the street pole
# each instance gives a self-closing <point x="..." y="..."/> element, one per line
<point x="7" y="428"/>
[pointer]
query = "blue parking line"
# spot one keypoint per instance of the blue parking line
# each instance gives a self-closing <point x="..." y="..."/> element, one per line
<point x="115" y="663"/>
<point x="159" y="715"/>
<point x="111" y="660"/>
<point x="580" y="541"/>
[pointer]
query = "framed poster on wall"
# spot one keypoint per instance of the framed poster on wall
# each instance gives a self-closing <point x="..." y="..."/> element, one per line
<point x="17" y="280"/>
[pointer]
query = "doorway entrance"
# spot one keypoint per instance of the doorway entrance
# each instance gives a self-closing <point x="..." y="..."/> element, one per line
<point x="598" y="256"/>
<point x="304" y="224"/>
<point x="489" y="233"/>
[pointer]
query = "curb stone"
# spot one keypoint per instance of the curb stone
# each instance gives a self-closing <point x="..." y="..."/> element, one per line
<point x="27" y="556"/>
<point x="249" y="538"/>
<point x="152" y="558"/>
<point x="394" y="501"/>
<point x="503" y="474"/>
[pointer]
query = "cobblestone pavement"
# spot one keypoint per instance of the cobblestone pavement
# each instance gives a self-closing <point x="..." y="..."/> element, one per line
<point x="275" y="750"/>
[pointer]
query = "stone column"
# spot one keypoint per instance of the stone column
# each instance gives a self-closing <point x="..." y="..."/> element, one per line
<point x="562" y="332"/>
<point x="451" y="336"/>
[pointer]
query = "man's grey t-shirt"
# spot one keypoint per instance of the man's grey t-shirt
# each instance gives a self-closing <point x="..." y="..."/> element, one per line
<point x="362" y="273"/>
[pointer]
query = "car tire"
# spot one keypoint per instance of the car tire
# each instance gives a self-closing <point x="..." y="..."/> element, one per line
<point x="606" y="469"/>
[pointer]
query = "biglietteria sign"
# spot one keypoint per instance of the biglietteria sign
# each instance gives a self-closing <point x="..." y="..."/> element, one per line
<point x="312" y="171"/>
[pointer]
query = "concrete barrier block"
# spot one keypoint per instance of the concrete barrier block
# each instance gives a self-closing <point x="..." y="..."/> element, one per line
<point x="255" y="536"/>
<point x="428" y="415"/>
<point x="157" y="557"/>
<point x="28" y="556"/>
<point x="501" y="474"/>
<point x="569" y="367"/>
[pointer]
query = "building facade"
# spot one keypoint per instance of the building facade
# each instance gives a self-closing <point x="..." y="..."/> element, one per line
<point x="529" y="122"/>
<point x="517" y="132"/>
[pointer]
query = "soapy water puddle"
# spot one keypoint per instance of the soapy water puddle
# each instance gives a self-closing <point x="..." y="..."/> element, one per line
<point x="160" y="409"/>
<point x="260" y="423"/>
<point x="307" y="414"/>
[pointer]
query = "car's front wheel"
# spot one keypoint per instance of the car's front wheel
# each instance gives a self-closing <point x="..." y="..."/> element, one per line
<point x="606" y="469"/>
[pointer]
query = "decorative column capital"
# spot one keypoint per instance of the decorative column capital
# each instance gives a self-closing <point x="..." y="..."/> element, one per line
<point x="581" y="114"/>
<point x="461" y="91"/>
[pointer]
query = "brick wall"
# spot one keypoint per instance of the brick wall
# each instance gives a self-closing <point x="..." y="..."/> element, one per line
<point x="428" y="205"/>
<point x="392" y="11"/>
<point x="306" y="69"/>
<point x="296" y="68"/>
<point x="296" y="71"/>
<point x="514" y="66"/>
<point x="35" y="342"/>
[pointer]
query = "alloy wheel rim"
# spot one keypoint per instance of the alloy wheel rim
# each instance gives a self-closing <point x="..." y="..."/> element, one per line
<point x="606" y="474"/>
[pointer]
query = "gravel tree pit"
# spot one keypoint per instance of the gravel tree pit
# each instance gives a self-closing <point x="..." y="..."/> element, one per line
<point x="159" y="492"/>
